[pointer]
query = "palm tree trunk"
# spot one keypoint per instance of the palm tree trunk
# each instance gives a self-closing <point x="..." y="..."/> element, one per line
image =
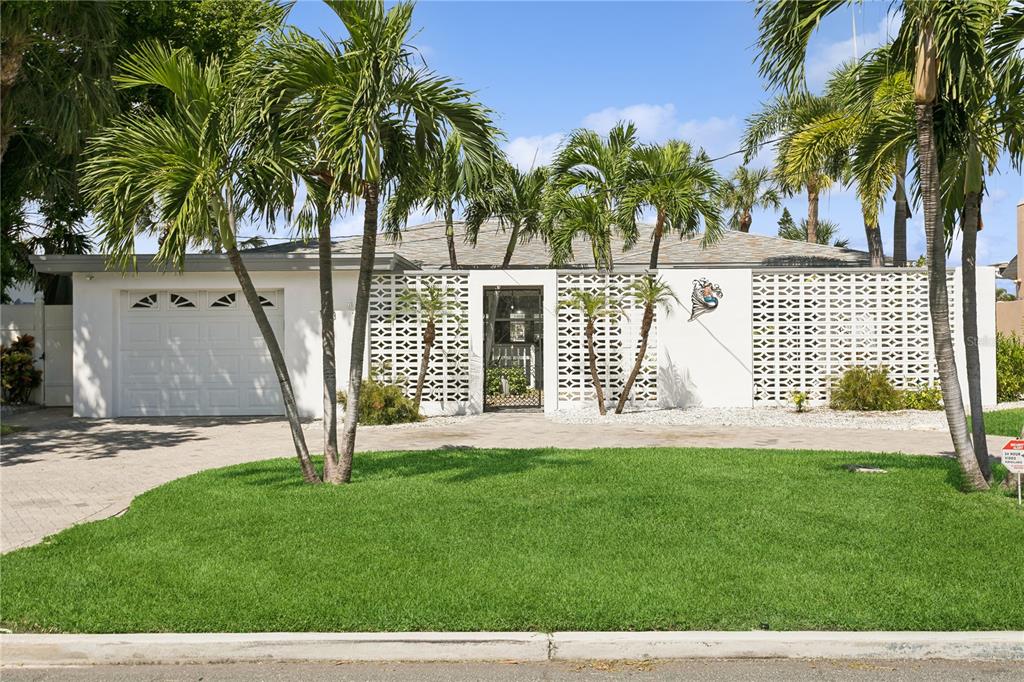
<point x="812" y="212"/>
<point x="592" y="359"/>
<point x="428" y="343"/>
<point x="876" y="254"/>
<point x="972" y="212"/>
<point x="510" y="249"/>
<point x="332" y="470"/>
<point x="291" y="410"/>
<point x="659" y="228"/>
<point x="938" y="300"/>
<point x="899" y="221"/>
<point x="645" y="330"/>
<point x="745" y="221"/>
<point x="449" y="233"/>
<point x="371" y="198"/>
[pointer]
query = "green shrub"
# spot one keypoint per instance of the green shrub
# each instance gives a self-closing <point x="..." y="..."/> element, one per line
<point x="863" y="388"/>
<point x="18" y="373"/>
<point x="799" y="400"/>
<point x="924" y="398"/>
<point x="1009" y="367"/>
<point x="382" y="404"/>
<point x="517" y="383"/>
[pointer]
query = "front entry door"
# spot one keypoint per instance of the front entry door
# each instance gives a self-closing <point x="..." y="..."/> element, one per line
<point x="513" y="347"/>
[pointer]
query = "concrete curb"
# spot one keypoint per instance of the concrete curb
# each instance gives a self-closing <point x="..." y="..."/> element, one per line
<point x="57" y="650"/>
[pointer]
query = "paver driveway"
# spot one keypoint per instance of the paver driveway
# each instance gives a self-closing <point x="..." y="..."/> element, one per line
<point x="62" y="471"/>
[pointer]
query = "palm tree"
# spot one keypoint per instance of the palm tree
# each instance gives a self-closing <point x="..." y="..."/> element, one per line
<point x="516" y="199"/>
<point x="438" y="189"/>
<point x="649" y="293"/>
<point x="383" y="119"/>
<point x="682" y="188"/>
<point x="942" y="45"/>
<point x="598" y="169"/>
<point x="593" y="307"/>
<point x="745" y="191"/>
<point x="430" y="303"/>
<point x="191" y="172"/>
<point x="827" y="233"/>
<point x="777" y="123"/>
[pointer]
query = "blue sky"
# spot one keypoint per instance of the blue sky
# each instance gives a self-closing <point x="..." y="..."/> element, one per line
<point x="678" y="69"/>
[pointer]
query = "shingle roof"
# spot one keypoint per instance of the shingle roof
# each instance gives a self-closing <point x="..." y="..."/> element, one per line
<point x="425" y="245"/>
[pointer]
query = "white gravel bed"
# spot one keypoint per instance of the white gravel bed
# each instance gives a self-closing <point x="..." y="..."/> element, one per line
<point x="768" y="417"/>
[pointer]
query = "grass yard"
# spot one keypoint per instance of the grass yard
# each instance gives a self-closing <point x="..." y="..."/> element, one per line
<point x="7" y="429"/>
<point x="1004" y="422"/>
<point x="539" y="540"/>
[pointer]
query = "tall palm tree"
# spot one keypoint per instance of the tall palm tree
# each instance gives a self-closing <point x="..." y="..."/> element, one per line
<point x="516" y="199"/>
<point x="599" y="169"/>
<point x="439" y="189"/>
<point x="777" y="123"/>
<point x="942" y="45"/>
<point x="649" y="293"/>
<point x="745" y="191"/>
<point x="593" y="307"/>
<point x="383" y="119"/>
<point x="190" y="172"/>
<point x="682" y="188"/>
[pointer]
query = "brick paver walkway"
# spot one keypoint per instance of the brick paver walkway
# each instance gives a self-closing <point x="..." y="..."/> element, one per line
<point x="62" y="471"/>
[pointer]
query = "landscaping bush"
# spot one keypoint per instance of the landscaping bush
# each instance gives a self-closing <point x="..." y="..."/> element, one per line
<point x="382" y="404"/>
<point x="18" y="373"/>
<point x="864" y="388"/>
<point x="1009" y="367"/>
<point x="924" y="398"/>
<point x="517" y="383"/>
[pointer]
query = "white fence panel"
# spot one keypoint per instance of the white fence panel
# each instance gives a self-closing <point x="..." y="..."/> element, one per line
<point x="51" y="327"/>
<point x="808" y="327"/>
<point x="616" y="342"/>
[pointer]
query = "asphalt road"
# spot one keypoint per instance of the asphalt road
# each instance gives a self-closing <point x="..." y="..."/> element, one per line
<point x="696" y="670"/>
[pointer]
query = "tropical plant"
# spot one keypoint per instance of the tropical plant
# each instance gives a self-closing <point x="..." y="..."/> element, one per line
<point x="649" y="293"/>
<point x="190" y="174"/>
<point x="777" y="124"/>
<point x="799" y="400"/>
<point x="429" y="304"/>
<point x="438" y="189"/>
<point x="681" y="186"/>
<point x="1009" y="367"/>
<point x="1004" y="295"/>
<point x="381" y="404"/>
<point x="865" y="389"/>
<point x="19" y="375"/>
<point x="745" y="191"/>
<point x="499" y="379"/>
<point x="591" y="308"/>
<point x="516" y="200"/>
<point x="588" y="177"/>
<point x="384" y="118"/>
<point x="943" y="46"/>
<point x="827" y="233"/>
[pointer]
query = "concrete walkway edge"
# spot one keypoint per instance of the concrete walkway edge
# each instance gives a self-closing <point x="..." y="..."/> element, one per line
<point x="158" y="648"/>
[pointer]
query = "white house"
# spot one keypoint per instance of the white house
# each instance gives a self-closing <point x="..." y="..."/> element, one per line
<point x="791" y="316"/>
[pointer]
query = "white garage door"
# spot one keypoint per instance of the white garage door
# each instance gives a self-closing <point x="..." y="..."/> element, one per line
<point x="188" y="352"/>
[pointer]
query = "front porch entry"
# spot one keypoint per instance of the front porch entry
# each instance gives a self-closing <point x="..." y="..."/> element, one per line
<point x="513" y="348"/>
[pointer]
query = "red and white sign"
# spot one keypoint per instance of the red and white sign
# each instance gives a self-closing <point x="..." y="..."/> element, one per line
<point x="1013" y="456"/>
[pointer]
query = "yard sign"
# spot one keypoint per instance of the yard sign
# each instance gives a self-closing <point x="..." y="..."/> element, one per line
<point x="1013" y="460"/>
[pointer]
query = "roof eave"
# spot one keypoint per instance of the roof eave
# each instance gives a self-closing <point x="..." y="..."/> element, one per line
<point x="62" y="264"/>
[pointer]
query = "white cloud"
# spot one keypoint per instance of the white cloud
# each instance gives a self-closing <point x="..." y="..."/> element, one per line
<point x="529" y="152"/>
<point x="825" y="57"/>
<point x="653" y="121"/>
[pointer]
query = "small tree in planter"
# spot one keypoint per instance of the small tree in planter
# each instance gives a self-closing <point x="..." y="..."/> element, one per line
<point x="431" y="303"/>
<point x="18" y="371"/>
<point x="593" y="307"/>
<point x="648" y="292"/>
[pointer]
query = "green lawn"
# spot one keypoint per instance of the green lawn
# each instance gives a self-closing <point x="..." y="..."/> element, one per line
<point x="1004" y="422"/>
<point x="539" y="540"/>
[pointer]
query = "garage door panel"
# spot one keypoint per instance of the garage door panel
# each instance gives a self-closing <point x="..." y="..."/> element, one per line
<point x="179" y="360"/>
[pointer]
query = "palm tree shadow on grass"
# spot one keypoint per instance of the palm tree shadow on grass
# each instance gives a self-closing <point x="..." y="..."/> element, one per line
<point x="451" y="464"/>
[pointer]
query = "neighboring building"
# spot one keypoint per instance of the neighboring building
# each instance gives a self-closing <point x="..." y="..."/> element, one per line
<point x="791" y="316"/>
<point x="1010" y="314"/>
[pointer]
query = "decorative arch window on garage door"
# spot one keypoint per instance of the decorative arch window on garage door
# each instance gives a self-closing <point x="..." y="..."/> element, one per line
<point x="181" y="301"/>
<point x="225" y="301"/>
<point x="145" y="301"/>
